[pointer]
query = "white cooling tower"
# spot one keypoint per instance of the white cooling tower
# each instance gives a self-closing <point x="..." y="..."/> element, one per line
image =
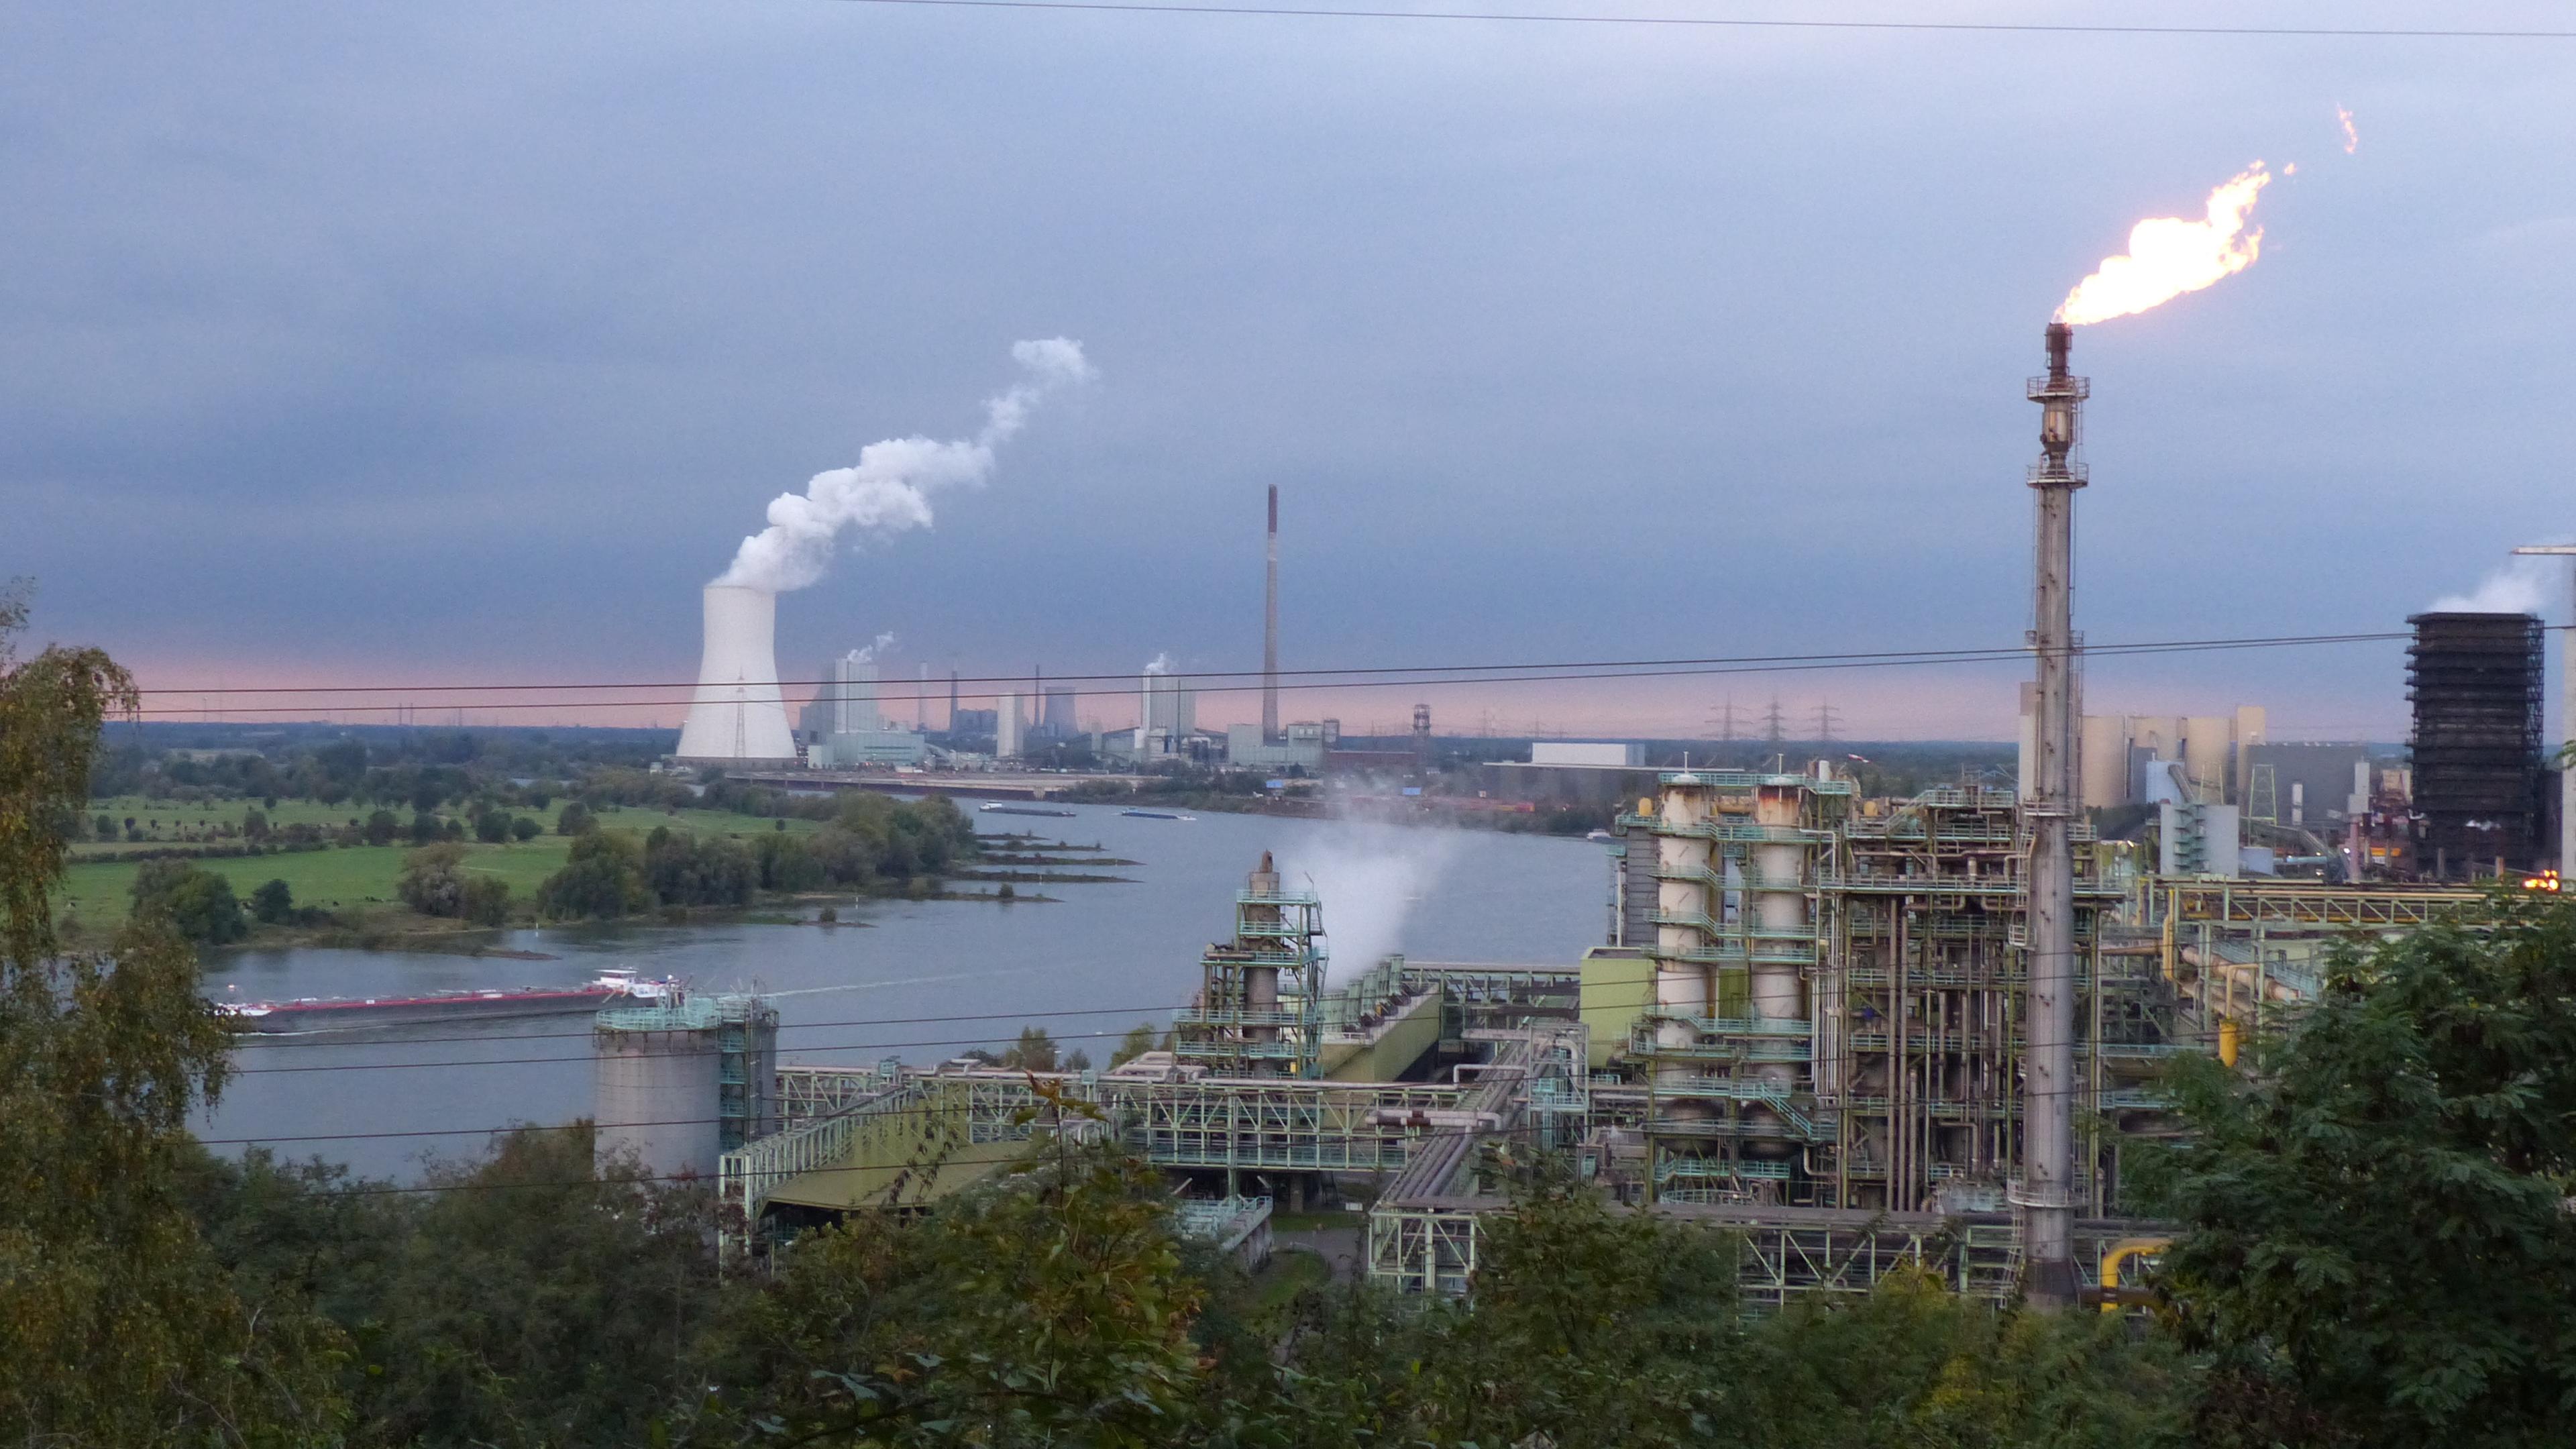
<point x="738" y="717"/>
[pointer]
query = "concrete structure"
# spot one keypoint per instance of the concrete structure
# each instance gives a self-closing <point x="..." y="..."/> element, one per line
<point x="1010" y="728"/>
<point x="2317" y="787"/>
<point x="1166" y="715"/>
<point x="679" y="1084"/>
<point x="2116" y="752"/>
<point x="738" y="716"/>
<point x="1615" y="756"/>
<point x="1055" y="713"/>
<point x="1300" y="748"/>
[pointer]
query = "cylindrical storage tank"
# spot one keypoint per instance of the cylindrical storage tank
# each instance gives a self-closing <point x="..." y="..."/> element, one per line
<point x="738" y="714"/>
<point x="657" y="1091"/>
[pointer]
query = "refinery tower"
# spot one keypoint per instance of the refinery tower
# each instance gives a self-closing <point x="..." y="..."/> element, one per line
<point x="738" y="716"/>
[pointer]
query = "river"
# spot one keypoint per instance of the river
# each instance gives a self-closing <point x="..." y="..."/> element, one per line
<point x="383" y="1102"/>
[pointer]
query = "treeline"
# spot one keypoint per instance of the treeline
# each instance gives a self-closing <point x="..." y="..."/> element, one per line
<point x="870" y="842"/>
<point x="533" y="1301"/>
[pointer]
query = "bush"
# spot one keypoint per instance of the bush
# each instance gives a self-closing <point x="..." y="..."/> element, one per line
<point x="604" y="879"/>
<point x="273" y="903"/>
<point x="523" y="829"/>
<point x="576" y="819"/>
<point x="381" y="828"/>
<point x="486" y="901"/>
<point x="491" y="826"/>
<point x="433" y="880"/>
<point x="198" y="904"/>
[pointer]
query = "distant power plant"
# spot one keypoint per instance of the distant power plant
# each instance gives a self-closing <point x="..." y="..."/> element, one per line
<point x="738" y="716"/>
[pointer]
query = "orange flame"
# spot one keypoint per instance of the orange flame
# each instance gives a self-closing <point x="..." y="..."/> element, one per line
<point x="2171" y="255"/>
<point x="2351" y="137"/>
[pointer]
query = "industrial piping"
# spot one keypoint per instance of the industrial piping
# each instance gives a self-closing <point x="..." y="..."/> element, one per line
<point x="2046" y="1193"/>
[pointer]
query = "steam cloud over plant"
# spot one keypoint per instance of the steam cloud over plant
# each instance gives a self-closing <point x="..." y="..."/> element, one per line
<point x="889" y="489"/>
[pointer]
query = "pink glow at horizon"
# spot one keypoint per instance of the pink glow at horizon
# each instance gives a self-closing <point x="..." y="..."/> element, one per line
<point x="1966" y="704"/>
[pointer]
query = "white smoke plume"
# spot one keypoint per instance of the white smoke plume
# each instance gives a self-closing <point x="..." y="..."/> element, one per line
<point x="2524" y="586"/>
<point x="889" y="489"/>
<point x="875" y="650"/>
<point x="1370" y="879"/>
<point x="1159" y="664"/>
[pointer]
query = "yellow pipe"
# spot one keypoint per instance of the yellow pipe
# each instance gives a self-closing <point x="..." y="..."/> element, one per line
<point x="2120" y="1253"/>
<point x="2227" y="1040"/>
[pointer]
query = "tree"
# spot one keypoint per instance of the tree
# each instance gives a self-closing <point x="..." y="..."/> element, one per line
<point x="198" y="905"/>
<point x="1048" y="1308"/>
<point x="254" y="824"/>
<point x="2375" y="1241"/>
<point x="433" y="880"/>
<point x="524" y="829"/>
<point x="273" y="903"/>
<point x="538" y="1301"/>
<point x="603" y="879"/>
<point x="575" y="819"/>
<point x="1138" y="1041"/>
<point x="120" y="1327"/>
<point x="1034" y="1052"/>
<point x="491" y="826"/>
<point x="486" y="900"/>
<point x="381" y="827"/>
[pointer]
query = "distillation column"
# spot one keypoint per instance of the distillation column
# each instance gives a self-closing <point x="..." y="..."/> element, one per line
<point x="1686" y="912"/>
<point x="1261" y="981"/>
<point x="2046" y="1194"/>
<point x="1778" y="895"/>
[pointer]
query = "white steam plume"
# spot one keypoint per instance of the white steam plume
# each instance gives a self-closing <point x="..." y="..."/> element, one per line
<point x="889" y="490"/>
<point x="1159" y="664"/>
<point x="869" y="655"/>
<point x="2524" y="586"/>
<point x="1370" y="879"/>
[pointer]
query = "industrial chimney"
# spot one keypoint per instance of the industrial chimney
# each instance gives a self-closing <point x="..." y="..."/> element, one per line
<point x="1270" y="632"/>
<point x="738" y="717"/>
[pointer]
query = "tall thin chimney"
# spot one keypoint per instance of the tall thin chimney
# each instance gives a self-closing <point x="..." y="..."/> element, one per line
<point x="2046" y="1191"/>
<point x="1270" y="631"/>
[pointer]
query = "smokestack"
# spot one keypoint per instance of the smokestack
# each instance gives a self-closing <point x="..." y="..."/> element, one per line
<point x="738" y="716"/>
<point x="1270" y="631"/>
<point x="2046" y="1192"/>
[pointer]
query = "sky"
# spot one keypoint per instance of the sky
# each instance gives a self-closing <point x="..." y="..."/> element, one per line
<point x="369" y="344"/>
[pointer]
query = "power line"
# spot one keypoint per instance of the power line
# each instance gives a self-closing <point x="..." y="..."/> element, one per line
<point x="1712" y="22"/>
<point x="1352" y="671"/>
<point x="1607" y="671"/>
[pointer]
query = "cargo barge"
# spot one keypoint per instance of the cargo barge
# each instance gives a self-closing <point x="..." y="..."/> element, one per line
<point x="1023" y="810"/>
<point x="348" y="1013"/>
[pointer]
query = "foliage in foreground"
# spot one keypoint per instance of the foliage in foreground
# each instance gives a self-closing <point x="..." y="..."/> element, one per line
<point x="2378" y="1248"/>
<point x="117" y="1325"/>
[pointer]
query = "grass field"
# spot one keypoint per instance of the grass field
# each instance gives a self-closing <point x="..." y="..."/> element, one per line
<point x="97" y="892"/>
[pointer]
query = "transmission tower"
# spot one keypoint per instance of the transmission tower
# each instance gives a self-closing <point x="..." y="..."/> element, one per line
<point x="1826" y="719"/>
<point x="1722" y="720"/>
<point x="1774" y="724"/>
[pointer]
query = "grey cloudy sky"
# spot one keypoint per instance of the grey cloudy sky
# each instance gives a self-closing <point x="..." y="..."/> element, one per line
<point x="433" y="342"/>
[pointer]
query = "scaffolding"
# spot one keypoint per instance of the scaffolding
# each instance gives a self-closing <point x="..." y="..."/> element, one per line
<point x="1260" y="1006"/>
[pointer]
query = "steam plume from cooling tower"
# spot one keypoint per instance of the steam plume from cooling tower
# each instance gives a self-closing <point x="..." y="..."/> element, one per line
<point x="889" y="489"/>
<point x="1159" y="664"/>
<point x="2171" y="255"/>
